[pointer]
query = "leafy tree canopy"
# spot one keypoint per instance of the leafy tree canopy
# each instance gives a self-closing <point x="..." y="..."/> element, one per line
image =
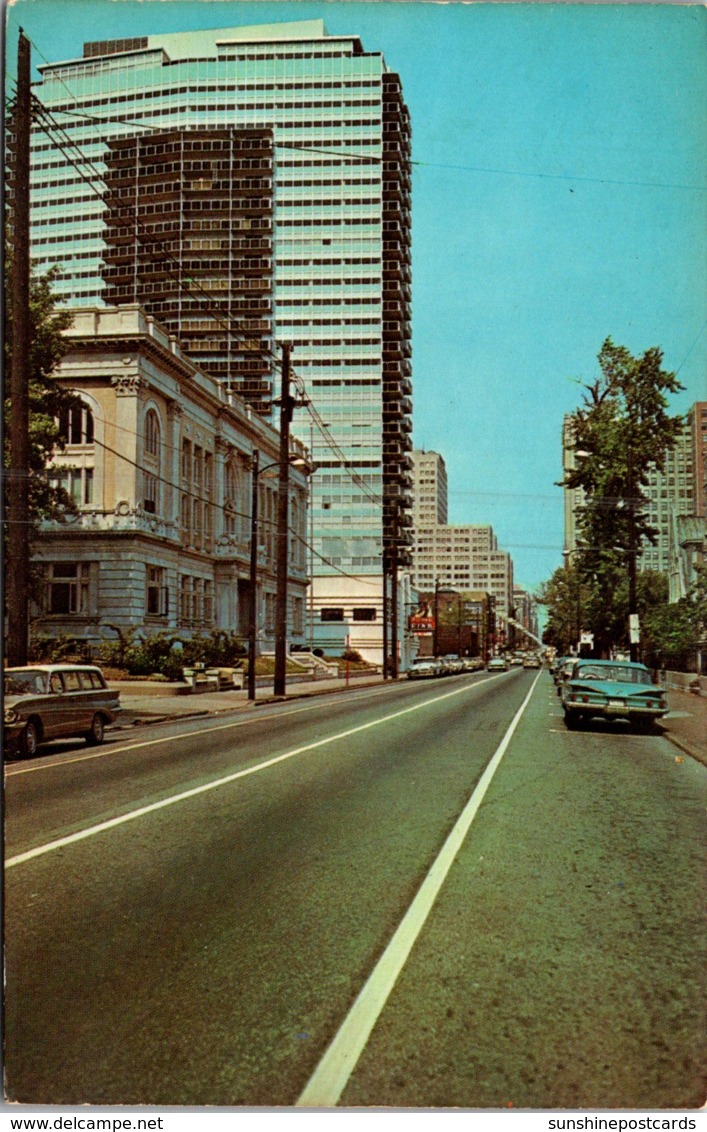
<point x="48" y="399"/>
<point x="621" y="431"/>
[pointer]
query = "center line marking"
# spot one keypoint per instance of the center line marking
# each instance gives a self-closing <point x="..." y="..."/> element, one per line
<point x="112" y="823"/>
<point x="331" y="1076"/>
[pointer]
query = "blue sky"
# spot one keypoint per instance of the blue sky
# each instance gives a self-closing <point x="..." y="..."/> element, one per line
<point x="558" y="198"/>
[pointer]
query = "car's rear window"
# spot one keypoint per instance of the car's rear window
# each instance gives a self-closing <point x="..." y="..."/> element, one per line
<point x="616" y="673"/>
<point x="91" y="680"/>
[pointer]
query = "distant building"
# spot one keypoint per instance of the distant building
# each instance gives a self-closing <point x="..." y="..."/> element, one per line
<point x="455" y="621"/>
<point x="697" y="423"/>
<point x="526" y="613"/>
<point x="430" y="491"/>
<point x="672" y="492"/>
<point x="466" y="557"/>
<point x="159" y="463"/>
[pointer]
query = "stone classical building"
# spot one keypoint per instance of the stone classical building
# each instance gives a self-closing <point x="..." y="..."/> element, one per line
<point x="159" y="463"/>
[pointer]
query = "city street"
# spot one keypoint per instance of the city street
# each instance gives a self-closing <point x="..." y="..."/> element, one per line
<point x="193" y="909"/>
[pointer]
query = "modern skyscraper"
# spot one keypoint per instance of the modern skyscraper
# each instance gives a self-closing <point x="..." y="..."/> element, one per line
<point x="341" y="253"/>
<point x="189" y="234"/>
<point x="673" y="491"/>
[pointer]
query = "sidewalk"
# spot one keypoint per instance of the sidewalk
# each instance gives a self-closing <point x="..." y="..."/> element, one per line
<point x="686" y="724"/>
<point x="152" y="703"/>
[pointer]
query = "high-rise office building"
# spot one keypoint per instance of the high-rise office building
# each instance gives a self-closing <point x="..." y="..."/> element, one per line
<point x="189" y="235"/>
<point x="340" y="254"/>
<point x="430" y="490"/>
<point x="674" y="491"/>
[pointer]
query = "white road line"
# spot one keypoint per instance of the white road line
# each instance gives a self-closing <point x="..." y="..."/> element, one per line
<point x="113" y="750"/>
<point x="329" y="1079"/>
<point x="91" y="831"/>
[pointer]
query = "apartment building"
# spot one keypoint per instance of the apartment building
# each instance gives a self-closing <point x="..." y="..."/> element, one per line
<point x="159" y="462"/>
<point x="332" y="232"/>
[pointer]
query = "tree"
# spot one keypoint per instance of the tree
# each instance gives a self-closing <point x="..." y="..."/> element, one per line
<point x="48" y="399"/>
<point x="622" y="430"/>
<point x="564" y="600"/>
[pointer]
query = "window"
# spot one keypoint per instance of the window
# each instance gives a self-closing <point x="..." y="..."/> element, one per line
<point x="157" y="603"/>
<point x="152" y="434"/>
<point x="297" y="615"/>
<point x="365" y="614"/>
<point x="151" y="460"/>
<point x="270" y="613"/>
<point x="332" y="613"/>
<point x="76" y="425"/>
<point x="77" y="483"/>
<point x="68" y="588"/>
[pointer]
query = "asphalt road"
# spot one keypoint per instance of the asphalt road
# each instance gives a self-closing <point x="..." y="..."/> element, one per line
<point x="192" y="913"/>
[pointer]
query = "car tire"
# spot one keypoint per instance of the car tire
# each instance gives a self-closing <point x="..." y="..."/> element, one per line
<point x="95" y="736"/>
<point x="573" y="720"/>
<point x="29" y="740"/>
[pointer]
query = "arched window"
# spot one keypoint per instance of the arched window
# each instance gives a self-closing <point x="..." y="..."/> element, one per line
<point x="152" y="433"/>
<point x="151" y="462"/>
<point x="76" y="425"/>
<point x="76" y="429"/>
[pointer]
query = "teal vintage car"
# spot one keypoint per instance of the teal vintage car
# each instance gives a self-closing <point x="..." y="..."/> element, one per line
<point x="612" y="689"/>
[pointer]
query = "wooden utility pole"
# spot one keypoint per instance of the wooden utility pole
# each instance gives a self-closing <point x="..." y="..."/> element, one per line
<point x="17" y="562"/>
<point x="253" y="591"/>
<point x="283" y="542"/>
<point x="394" y="659"/>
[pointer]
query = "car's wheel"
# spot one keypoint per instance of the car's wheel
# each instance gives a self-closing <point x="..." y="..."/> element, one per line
<point x="573" y="720"/>
<point x="97" y="732"/>
<point x="29" y="740"/>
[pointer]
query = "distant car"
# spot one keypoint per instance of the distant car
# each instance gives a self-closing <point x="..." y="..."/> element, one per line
<point x="497" y="664"/>
<point x="453" y="662"/>
<point x="472" y="663"/>
<point x="532" y="662"/>
<point x="563" y="672"/>
<point x="423" y="668"/>
<point x="516" y="661"/>
<point x="55" y="701"/>
<point x="613" y="690"/>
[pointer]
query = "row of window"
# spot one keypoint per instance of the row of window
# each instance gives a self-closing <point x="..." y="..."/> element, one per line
<point x="70" y="590"/>
<point x="336" y="613"/>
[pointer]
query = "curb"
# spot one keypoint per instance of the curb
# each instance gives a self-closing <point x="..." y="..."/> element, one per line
<point x="687" y="748"/>
<point x="243" y="705"/>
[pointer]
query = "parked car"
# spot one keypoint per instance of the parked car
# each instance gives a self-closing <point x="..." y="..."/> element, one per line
<point x="473" y="663"/>
<point x="563" y="672"/>
<point x="56" y="701"/>
<point x="497" y="664"/>
<point x="453" y="663"/>
<point x="613" y="690"/>
<point x="423" y="668"/>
